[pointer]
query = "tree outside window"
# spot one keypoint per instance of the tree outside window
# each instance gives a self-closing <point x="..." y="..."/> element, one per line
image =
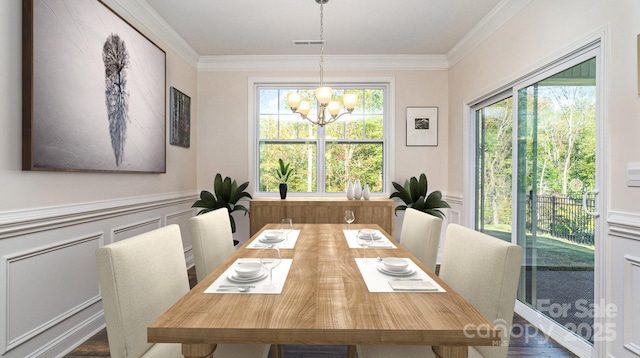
<point x="350" y="148"/>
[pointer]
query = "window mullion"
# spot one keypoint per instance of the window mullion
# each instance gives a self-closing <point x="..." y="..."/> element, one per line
<point x="321" y="160"/>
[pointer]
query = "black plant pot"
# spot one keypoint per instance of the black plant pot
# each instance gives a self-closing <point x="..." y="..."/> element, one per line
<point x="283" y="190"/>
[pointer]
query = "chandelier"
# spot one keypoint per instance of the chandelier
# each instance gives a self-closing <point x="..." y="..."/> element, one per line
<point x="322" y="93"/>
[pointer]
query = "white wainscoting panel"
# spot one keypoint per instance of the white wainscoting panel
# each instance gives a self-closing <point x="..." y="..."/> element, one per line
<point x="133" y="229"/>
<point x="49" y="292"/>
<point x="624" y="277"/>
<point x="181" y="218"/>
<point x="632" y="304"/>
<point x="37" y="290"/>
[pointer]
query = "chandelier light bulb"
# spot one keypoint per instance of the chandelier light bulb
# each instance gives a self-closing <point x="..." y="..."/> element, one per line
<point x="350" y="101"/>
<point x="334" y="108"/>
<point x="293" y="100"/>
<point x="304" y="108"/>
<point x="323" y="95"/>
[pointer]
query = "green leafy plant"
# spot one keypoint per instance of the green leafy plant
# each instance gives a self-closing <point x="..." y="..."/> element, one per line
<point x="226" y="194"/>
<point x="414" y="195"/>
<point x="283" y="172"/>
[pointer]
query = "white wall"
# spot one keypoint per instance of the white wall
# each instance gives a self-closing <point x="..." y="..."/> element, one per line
<point x="539" y="34"/>
<point x="51" y="222"/>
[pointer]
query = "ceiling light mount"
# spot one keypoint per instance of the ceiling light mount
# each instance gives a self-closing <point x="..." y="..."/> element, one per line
<point x="323" y="94"/>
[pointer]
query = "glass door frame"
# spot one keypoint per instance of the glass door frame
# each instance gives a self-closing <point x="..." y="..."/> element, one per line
<point x="542" y="324"/>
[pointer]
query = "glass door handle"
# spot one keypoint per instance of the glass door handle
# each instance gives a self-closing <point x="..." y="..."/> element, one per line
<point x="584" y="202"/>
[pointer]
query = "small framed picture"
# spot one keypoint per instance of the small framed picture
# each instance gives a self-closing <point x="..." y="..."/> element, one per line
<point x="422" y="126"/>
<point x="180" y="122"/>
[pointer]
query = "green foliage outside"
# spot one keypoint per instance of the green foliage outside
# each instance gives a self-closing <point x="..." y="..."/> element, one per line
<point x="557" y="129"/>
<point x="552" y="253"/>
<point x="556" y="141"/>
<point x="353" y="145"/>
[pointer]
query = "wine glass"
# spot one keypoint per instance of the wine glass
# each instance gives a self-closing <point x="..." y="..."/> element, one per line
<point x="286" y="226"/>
<point x="365" y="238"/>
<point x="349" y="216"/>
<point x="270" y="259"/>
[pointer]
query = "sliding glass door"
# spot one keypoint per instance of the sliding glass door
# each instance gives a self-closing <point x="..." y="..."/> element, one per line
<point x="535" y="180"/>
<point x="494" y="132"/>
<point x="556" y="153"/>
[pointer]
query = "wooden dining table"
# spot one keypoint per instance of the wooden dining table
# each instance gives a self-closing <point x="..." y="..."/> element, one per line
<point x="324" y="301"/>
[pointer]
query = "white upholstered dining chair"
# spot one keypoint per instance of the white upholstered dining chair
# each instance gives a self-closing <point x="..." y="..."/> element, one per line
<point x="212" y="240"/>
<point x="140" y="278"/>
<point x="421" y="235"/>
<point x="485" y="271"/>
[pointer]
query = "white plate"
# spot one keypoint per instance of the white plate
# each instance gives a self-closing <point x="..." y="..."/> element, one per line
<point x="410" y="271"/>
<point x="268" y="240"/>
<point x="272" y="234"/>
<point x="233" y="277"/>
<point x="376" y="235"/>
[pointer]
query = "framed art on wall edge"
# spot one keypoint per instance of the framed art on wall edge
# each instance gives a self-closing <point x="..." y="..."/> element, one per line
<point x="180" y="118"/>
<point x="422" y="126"/>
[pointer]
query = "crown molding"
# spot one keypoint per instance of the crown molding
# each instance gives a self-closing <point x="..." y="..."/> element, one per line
<point x="496" y="18"/>
<point x="144" y="16"/>
<point x="331" y="62"/>
<point x="140" y="13"/>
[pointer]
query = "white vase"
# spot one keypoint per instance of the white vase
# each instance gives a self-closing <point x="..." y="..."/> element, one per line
<point x="350" y="193"/>
<point x="357" y="190"/>
<point x="366" y="193"/>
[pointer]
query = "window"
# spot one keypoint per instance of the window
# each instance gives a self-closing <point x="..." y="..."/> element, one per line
<point x="323" y="158"/>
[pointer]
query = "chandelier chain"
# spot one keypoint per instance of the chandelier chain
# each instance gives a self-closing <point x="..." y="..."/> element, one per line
<point x="321" y="43"/>
<point x="323" y="94"/>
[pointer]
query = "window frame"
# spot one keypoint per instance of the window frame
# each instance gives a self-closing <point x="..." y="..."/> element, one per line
<point x="386" y="83"/>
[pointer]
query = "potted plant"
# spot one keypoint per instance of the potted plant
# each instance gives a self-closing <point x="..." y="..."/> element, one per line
<point x="282" y="174"/>
<point x="226" y="195"/>
<point x="414" y="195"/>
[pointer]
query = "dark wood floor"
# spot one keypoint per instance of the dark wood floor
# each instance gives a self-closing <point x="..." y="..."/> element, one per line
<point x="525" y="342"/>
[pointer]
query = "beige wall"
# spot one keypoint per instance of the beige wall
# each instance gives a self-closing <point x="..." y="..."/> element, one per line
<point x="224" y="126"/>
<point x="223" y="129"/>
<point x="542" y="32"/>
<point x="22" y="190"/>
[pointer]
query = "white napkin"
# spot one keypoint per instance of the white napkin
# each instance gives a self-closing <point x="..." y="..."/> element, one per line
<point x="382" y="243"/>
<point x="379" y="282"/>
<point x="288" y="243"/>
<point x="280" y="274"/>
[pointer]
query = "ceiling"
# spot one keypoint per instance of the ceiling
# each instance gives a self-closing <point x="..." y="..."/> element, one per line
<point x="351" y="27"/>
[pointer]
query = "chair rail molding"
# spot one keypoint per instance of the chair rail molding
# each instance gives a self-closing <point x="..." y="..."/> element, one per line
<point x="20" y="222"/>
<point x="624" y="225"/>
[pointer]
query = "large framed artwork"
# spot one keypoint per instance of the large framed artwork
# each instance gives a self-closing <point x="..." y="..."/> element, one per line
<point x="93" y="91"/>
<point x="179" y="118"/>
<point x="422" y="126"/>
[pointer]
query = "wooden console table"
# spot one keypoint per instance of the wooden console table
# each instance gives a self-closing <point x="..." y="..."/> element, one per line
<point x="270" y="210"/>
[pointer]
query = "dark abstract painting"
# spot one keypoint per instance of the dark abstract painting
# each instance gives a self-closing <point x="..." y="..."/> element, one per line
<point x="94" y="93"/>
<point x="180" y="118"/>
